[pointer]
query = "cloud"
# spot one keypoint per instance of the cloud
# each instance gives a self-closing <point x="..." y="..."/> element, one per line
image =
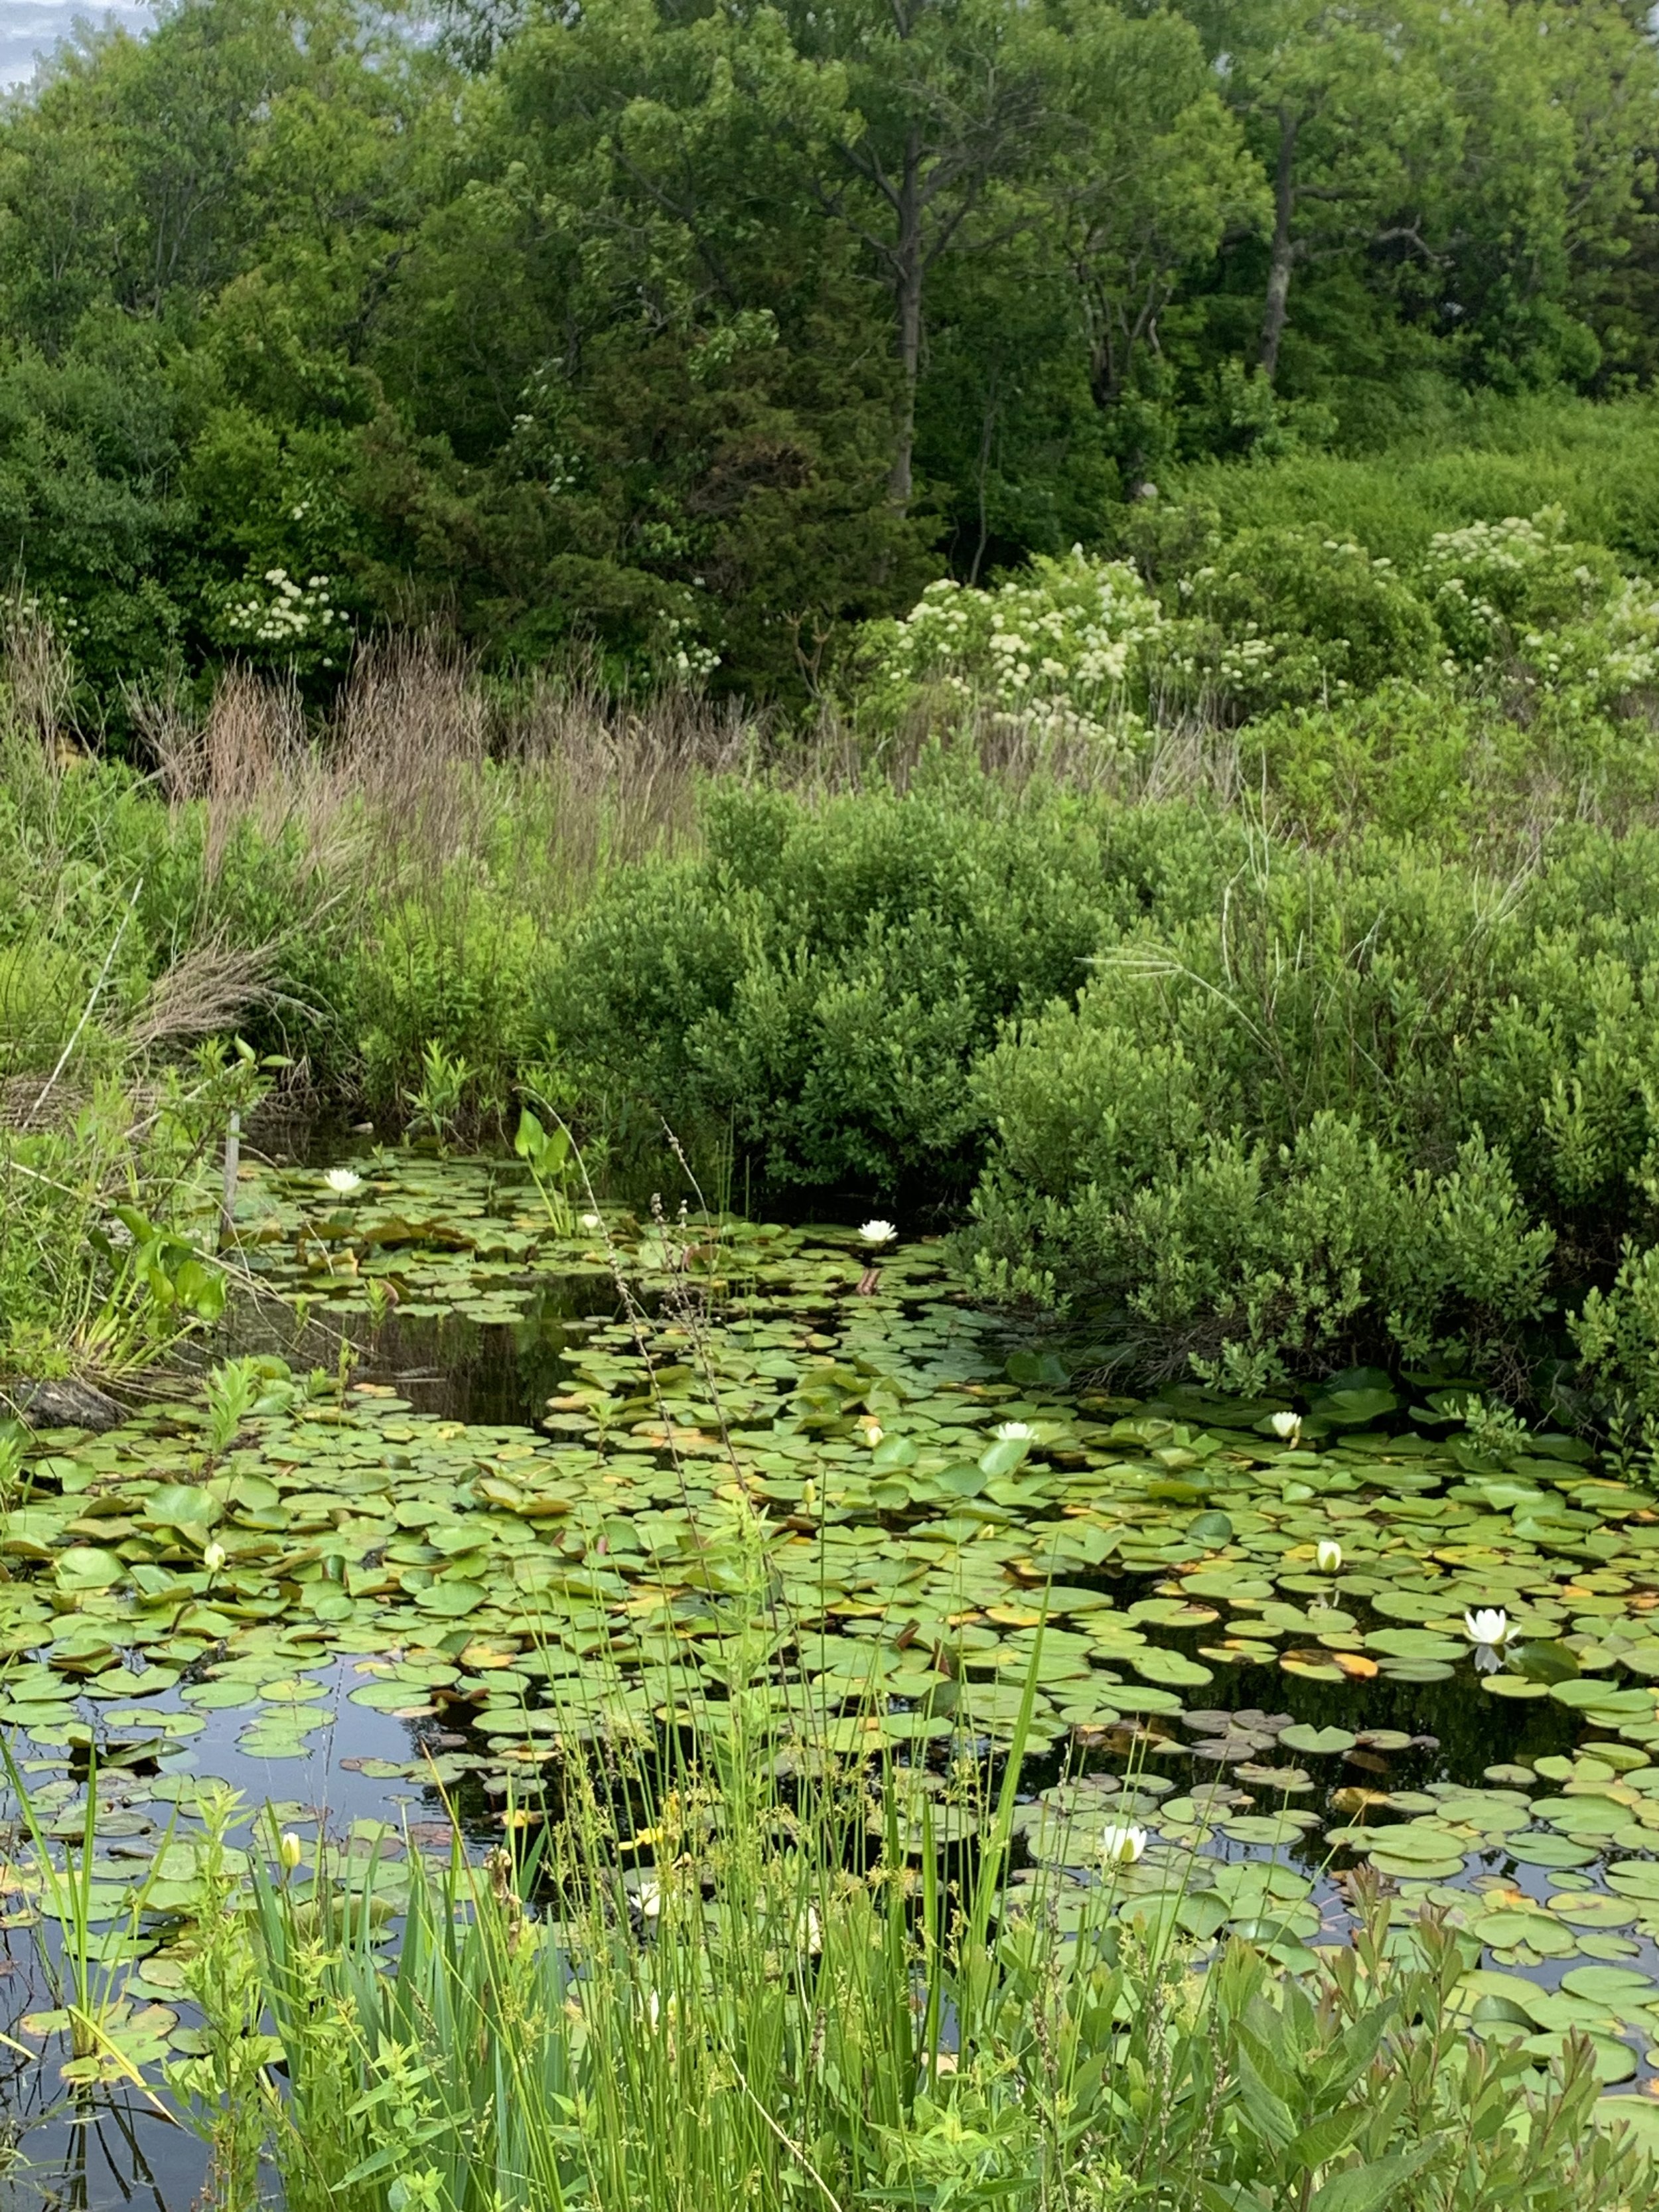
<point x="32" y="27"/>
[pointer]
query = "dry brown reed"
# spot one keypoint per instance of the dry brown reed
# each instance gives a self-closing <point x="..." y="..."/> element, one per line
<point x="1180" y="750"/>
<point x="205" y="991"/>
<point x="421" y="772"/>
<point x="40" y="680"/>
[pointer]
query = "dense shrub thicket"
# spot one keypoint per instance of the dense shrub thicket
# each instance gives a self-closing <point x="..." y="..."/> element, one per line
<point x="820" y="980"/>
<point x="1225" y="1097"/>
<point x="1368" y="1100"/>
<point x="1308" y="1107"/>
<point x="1515" y="611"/>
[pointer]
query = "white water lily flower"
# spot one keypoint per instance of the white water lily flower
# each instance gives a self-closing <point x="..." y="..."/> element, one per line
<point x="290" y="1851"/>
<point x="213" y="1557"/>
<point x="1328" y="1555"/>
<point x="878" y="1232"/>
<point x="1013" y="1432"/>
<point x="1489" y="1625"/>
<point x="1287" y="1426"/>
<point x="591" y="1222"/>
<point x="1122" y="1844"/>
<point x="344" y="1181"/>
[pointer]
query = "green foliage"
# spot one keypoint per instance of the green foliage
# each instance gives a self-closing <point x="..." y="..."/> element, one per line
<point x="1069" y="649"/>
<point x="451" y="977"/>
<point x="1445" y="764"/>
<point x="819" y="979"/>
<point x="1276" y="615"/>
<point x="1300" y="617"/>
<point x="90" y="515"/>
<point x="104" y="1227"/>
<point x="763" y="2006"/>
<point x="1363" y="1104"/>
<point x="1455" y="462"/>
<point x="615" y="332"/>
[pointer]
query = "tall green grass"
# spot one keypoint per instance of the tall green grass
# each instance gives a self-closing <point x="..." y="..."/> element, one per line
<point x="717" y="1966"/>
<point x="804" y="2001"/>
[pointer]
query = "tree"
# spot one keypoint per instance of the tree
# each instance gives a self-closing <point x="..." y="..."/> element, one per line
<point x="653" y="358"/>
<point x="1345" y="108"/>
<point x="950" y="109"/>
<point x="1156" y="175"/>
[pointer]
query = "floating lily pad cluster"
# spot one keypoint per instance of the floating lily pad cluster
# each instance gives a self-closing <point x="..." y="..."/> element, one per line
<point x="785" y="1471"/>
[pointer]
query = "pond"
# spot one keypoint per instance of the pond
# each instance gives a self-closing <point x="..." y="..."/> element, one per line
<point x="557" y="1487"/>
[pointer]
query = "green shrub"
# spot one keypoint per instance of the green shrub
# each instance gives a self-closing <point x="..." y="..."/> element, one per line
<point x="1291" y="615"/>
<point x="1368" y="1105"/>
<point x="457" y="971"/>
<point x="1514" y="611"/>
<point x="42" y="988"/>
<point x="106" y="1221"/>
<point x="1599" y="464"/>
<point x="1444" y="765"/>
<point x="820" y="979"/>
<point x="1069" y="649"/>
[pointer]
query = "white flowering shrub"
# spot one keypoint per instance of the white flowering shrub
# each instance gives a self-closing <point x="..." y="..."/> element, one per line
<point x="1285" y="617"/>
<point x="681" y="654"/>
<point x="1491" y="582"/>
<point x="1520" y="601"/>
<point x="1278" y="618"/>
<point x="274" y="618"/>
<point x="1069" y="651"/>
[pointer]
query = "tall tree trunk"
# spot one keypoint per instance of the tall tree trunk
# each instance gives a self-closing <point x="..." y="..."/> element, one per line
<point x="908" y="267"/>
<point x="1284" y="251"/>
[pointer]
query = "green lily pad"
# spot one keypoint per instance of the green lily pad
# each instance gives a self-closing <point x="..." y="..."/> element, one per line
<point x="184" y="1505"/>
<point x="85" y="1567"/>
<point x="452" y="1600"/>
<point x="1314" y="1740"/>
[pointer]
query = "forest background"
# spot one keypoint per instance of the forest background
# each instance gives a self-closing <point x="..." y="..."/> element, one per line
<point x="695" y="336"/>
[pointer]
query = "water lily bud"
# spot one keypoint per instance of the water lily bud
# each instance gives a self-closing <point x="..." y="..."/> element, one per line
<point x="591" y="1222"/>
<point x="1328" y="1555"/>
<point x="214" y="1557"/>
<point x="290" y="1851"/>
<point x="1287" y="1426"/>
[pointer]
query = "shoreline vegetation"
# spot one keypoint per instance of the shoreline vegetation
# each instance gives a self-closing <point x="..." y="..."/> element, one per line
<point x="1239" y="945"/>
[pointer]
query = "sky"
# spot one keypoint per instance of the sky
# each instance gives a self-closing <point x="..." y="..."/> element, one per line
<point x="28" y="28"/>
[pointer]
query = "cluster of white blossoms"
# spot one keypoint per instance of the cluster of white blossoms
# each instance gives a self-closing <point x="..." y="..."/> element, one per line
<point x="1068" y="652"/>
<point x="1521" y="597"/>
<point x="1079" y="649"/>
<point x="288" y="614"/>
<point x="690" y="659"/>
